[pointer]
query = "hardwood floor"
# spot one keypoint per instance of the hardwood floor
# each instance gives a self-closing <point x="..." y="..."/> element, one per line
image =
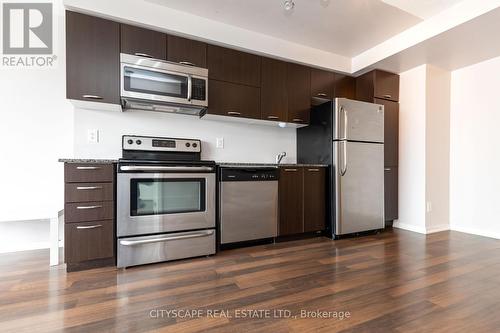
<point x="396" y="281"/>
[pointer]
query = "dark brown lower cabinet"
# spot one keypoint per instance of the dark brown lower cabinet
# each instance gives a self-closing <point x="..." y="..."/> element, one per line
<point x="291" y="201"/>
<point x="89" y="215"/>
<point x="302" y="200"/>
<point x="314" y="199"/>
<point x="391" y="193"/>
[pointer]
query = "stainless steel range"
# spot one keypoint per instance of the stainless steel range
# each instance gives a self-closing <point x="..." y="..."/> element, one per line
<point x="165" y="201"/>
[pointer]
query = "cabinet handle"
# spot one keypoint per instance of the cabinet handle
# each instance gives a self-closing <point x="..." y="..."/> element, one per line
<point x="234" y="113"/>
<point x="89" y="226"/>
<point x="387" y="96"/>
<point x="92" y="96"/>
<point x="87" y="168"/>
<point x="290" y="170"/>
<point x="88" y="207"/>
<point x="314" y="170"/>
<point x="297" y="120"/>
<point x="187" y="63"/>
<point x="273" y="117"/>
<point x="321" y="95"/>
<point x="86" y="188"/>
<point x="387" y="169"/>
<point x="143" y="55"/>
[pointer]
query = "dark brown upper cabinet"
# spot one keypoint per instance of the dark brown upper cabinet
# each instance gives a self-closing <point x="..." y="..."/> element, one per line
<point x="143" y="42"/>
<point x="92" y="59"/>
<point x="299" y="93"/>
<point x="186" y="51"/>
<point x="291" y="188"/>
<point x="322" y="84"/>
<point x="233" y="66"/>
<point x="234" y="100"/>
<point x="345" y="86"/>
<point x="274" y="96"/>
<point x="314" y="199"/>
<point x="391" y="131"/>
<point x="378" y="84"/>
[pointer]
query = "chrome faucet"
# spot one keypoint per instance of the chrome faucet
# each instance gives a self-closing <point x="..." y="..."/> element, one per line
<point x="280" y="156"/>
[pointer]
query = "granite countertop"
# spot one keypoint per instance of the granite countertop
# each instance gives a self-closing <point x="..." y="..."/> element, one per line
<point x="87" y="160"/>
<point x="240" y="164"/>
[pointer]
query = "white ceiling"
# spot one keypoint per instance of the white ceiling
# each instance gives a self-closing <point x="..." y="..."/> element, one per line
<point x="422" y="8"/>
<point x="344" y="27"/>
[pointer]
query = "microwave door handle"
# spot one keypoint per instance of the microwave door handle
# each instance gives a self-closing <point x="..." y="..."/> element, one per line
<point x="190" y="88"/>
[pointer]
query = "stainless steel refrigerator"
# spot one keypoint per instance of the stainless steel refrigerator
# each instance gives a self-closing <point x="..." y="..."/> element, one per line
<point x="348" y="136"/>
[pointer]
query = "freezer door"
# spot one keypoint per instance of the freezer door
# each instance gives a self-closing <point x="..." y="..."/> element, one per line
<point x="358" y="121"/>
<point x="359" y="190"/>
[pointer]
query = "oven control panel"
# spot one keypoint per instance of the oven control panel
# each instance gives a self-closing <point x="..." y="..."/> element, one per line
<point x="147" y="143"/>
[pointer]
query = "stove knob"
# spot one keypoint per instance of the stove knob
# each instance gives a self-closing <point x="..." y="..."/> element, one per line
<point x="188" y="144"/>
<point x="195" y="145"/>
<point x="138" y="142"/>
<point x="130" y="141"/>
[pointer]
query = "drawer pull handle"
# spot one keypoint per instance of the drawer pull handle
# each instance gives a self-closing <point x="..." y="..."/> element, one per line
<point x="92" y="96"/>
<point x="314" y="170"/>
<point x="234" y="113"/>
<point x="88" y="188"/>
<point x="387" y="96"/>
<point x="387" y="169"/>
<point x="143" y="55"/>
<point x="321" y="95"/>
<point x="88" y="207"/>
<point x="166" y="239"/>
<point x="273" y="117"/>
<point x="89" y="226"/>
<point x="297" y="120"/>
<point x="290" y="170"/>
<point x="187" y="63"/>
<point x="87" y="168"/>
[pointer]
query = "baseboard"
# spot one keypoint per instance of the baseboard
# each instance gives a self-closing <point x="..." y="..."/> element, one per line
<point x="478" y="232"/>
<point x="421" y="230"/>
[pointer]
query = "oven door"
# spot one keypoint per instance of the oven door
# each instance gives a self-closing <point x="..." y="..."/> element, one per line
<point x="149" y="203"/>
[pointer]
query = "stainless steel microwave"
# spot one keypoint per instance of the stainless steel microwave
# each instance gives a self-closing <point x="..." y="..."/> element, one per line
<point x="158" y="85"/>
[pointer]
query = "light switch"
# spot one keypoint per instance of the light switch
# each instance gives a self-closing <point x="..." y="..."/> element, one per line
<point x="220" y="143"/>
<point x="93" y="136"/>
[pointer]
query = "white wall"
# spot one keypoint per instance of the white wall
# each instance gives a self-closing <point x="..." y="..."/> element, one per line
<point x="475" y="149"/>
<point x="242" y="142"/>
<point x="412" y="107"/>
<point x="35" y="130"/>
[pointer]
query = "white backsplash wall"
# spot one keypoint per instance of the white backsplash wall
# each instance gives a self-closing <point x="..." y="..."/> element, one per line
<point x="242" y="142"/>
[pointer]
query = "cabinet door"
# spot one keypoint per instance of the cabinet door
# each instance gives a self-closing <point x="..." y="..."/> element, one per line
<point x="391" y="193"/>
<point x="291" y="194"/>
<point x="233" y="66"/>
<point x="88" y="241"/>
<point x="299" y="93"/>
<point x="391" y="131"/>
<point x="274" y="98"/>
<point x="345" y="86"/>
<point x="365" y="87"/>
<point x="92" y="59"/>
<point x="235" y="100"/>
<point x="386" y="85"/>
<point x="186" y="51"/>
<point x="143" y="42"/>
<point x="314" y="199"/>
<point x="322" y="84"/>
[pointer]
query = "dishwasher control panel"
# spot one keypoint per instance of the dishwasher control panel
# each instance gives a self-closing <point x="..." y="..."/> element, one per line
<point x="236" y="174"/>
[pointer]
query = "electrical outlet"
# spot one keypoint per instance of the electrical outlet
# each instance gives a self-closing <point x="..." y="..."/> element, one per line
<point x="429" y="206"/>
<point x="93" y="136"/>
<point x="220" y="143"/>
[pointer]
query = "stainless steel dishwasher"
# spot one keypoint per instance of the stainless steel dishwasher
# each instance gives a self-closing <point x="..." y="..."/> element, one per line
<point x="248" y="200"/>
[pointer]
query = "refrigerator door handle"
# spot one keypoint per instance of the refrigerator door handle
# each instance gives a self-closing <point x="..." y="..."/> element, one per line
<point x="344" y="111"/>
<point x="343" y="170"/>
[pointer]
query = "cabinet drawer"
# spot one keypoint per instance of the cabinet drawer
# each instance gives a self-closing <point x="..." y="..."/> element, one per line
<point x="89" y="241"/>
<point x="88" y="173"/>
<point x="85" y="192"/>
<point x="88" y="211"/>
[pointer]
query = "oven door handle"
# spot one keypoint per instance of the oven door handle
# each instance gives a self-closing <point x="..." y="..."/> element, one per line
<point x="164" y="168"/>
<point x="167" y="238"/>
